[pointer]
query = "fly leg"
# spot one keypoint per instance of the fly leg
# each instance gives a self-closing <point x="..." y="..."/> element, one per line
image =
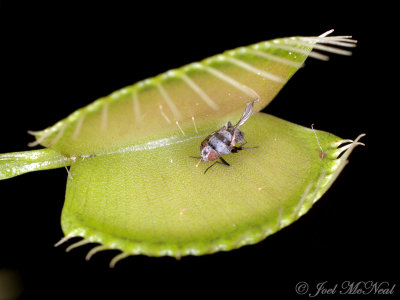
<point x="243" y="148"/>
<point x="237" y="149"/>
<point x="222" y="162"/>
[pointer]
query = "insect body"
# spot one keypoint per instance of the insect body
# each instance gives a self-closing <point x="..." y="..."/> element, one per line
<point x="225" y="139"/>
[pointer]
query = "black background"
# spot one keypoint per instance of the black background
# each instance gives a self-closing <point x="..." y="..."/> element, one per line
<point x="57" y="58"/>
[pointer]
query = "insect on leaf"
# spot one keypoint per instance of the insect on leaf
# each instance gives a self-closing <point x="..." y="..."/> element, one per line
<point x="133" y="186"/>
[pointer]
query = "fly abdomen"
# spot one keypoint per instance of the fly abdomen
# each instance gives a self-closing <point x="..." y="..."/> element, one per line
<point x="220" y="142"/>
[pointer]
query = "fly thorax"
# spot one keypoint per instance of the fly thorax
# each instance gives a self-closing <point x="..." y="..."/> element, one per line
<point x="239" y="137"/>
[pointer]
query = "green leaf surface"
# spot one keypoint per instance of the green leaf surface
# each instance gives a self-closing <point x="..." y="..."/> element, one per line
<point x="211" y="92"/>
<point x="132" y="185"/>
<point x="157" y="202"/>
<point x="14" y="164"/>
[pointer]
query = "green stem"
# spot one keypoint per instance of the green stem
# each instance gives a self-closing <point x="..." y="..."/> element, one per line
<point x="17" y="163"/>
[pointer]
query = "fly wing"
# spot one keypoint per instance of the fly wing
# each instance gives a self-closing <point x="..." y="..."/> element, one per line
<point x="246" y="114"/>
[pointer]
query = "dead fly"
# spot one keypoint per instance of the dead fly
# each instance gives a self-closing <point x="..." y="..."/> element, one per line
<point x="225" y="139"/>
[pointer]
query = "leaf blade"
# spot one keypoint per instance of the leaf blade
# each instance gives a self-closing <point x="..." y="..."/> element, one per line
<point x="211" y="91"/>
<point x="171" y="208"/>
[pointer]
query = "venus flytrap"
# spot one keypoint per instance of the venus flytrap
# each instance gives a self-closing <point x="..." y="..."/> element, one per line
<point x="132" y="185"/>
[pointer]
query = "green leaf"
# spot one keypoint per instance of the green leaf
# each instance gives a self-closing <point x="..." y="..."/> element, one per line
<point x="14" y="164"/>
<point x="156" y="202"/>
<point x="209" y="93"/>
<point x="132" y="185"/>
